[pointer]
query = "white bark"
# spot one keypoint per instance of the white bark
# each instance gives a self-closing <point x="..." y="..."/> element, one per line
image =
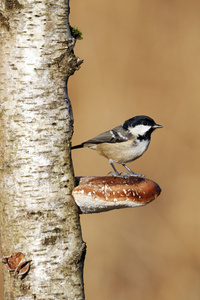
<point x="38" y="214"/>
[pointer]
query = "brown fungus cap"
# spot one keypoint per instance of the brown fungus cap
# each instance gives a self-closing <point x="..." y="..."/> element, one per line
<point x="97" y="194"/>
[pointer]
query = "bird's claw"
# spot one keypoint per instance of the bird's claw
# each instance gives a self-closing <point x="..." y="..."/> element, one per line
<point x="114" y="174"/>
<point x="124" y="174"/>
<point x="137" y="175"/>
<point x="131" y="174"/>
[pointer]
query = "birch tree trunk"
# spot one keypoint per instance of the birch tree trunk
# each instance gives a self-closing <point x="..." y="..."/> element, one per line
<point x="38" y="215"/>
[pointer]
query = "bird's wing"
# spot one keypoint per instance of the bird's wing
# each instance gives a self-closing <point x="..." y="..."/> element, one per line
<point x="116" y="135"/>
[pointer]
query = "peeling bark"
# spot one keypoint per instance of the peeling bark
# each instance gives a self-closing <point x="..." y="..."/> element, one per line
<point x="38" y="215"/>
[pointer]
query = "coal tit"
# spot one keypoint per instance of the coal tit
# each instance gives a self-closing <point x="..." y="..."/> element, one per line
<point x="123" y="143"/>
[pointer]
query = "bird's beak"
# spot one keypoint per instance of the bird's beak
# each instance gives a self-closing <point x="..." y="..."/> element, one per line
<point x="157" y="126"/>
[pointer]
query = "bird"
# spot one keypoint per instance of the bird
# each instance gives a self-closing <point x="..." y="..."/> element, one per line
<point x="124" y="143"/>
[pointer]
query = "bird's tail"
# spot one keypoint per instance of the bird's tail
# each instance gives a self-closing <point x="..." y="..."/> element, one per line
<point x="77" y="146"/>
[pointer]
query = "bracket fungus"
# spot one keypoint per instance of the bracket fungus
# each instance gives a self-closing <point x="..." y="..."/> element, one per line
<point x="98" y="194"/>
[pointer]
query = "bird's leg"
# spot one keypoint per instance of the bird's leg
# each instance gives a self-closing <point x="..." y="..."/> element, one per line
<point x="115" y="173"/>
<point x="131" y="172"/>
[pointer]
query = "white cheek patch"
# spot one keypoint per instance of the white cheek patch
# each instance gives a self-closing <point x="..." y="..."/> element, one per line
<point x="139" y="129"/>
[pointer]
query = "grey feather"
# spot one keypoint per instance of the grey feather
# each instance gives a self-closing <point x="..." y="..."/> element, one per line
<point x="116" y="135"/>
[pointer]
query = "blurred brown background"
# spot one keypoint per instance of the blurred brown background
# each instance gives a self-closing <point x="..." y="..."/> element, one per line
<point x="141" y="57"/>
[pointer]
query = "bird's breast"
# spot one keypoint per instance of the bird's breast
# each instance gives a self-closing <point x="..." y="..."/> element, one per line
<point x="123" y="152"/>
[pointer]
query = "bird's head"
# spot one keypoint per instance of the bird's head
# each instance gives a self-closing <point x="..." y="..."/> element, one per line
<point x="141" y="126"/>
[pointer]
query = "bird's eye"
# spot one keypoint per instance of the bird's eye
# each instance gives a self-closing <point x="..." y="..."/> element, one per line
<point x="145" y="123"/>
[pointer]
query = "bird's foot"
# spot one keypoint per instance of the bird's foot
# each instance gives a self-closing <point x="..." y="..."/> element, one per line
<point x="138" y="175"/>
<point x="131" y="174"/>
<point x="114" y="174"/>
<point x="124" y="174"/>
